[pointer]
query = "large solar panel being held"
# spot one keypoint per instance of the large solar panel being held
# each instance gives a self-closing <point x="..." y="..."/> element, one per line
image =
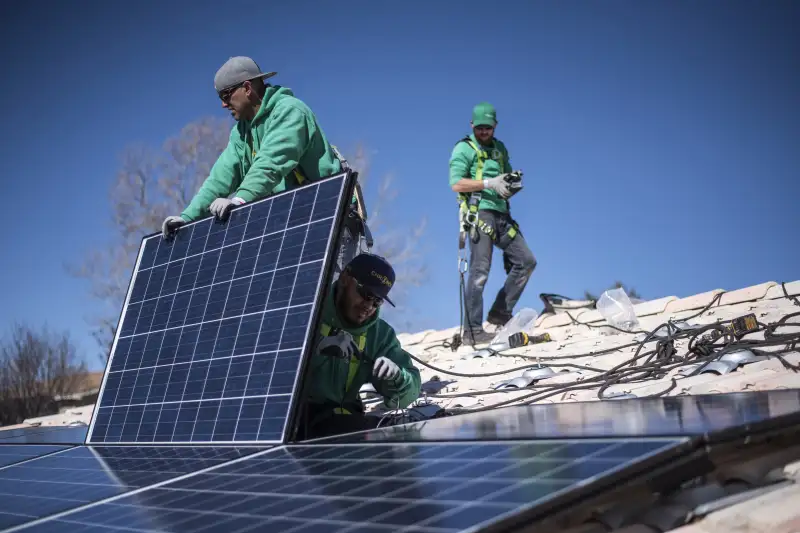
<point x="427" y="487"/>
<point x="212" y="333"/>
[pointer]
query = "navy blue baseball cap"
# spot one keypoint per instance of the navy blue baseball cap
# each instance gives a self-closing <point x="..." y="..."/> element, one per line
<point x="373" y="273"/>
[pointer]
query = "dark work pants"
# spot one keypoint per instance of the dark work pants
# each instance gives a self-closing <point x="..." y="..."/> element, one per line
<point x="319" y="421"/>
<point x="520" y="258"/>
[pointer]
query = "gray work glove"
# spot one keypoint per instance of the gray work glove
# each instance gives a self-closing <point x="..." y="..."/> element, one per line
<point x="385" y="369"/>
<point x="220" y="207"/>
<point x="498" y="184"/>
<point x="340" y="345"/>
<point x="170" y="224"/>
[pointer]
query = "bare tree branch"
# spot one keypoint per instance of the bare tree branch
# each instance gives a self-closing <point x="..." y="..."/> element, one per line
<point x="397" y="239"/>
<point x="36" y="367"/>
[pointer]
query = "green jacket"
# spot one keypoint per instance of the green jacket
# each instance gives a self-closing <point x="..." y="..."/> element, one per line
<point x="464" y="164"/>
<point x="327" y="376"/>
<point x="262" y="153"/>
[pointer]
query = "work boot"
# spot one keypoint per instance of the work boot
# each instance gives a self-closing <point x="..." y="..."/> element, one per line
<point x="498" y="319"/>
<point x="474" y="338"/>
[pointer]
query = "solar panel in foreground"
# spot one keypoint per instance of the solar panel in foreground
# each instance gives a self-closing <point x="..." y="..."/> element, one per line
<point x="426" y="488"/>
<point x="214" y="326"/>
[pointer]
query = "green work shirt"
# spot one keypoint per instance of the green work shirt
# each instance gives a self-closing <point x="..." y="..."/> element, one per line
<point x="464" y="164"/>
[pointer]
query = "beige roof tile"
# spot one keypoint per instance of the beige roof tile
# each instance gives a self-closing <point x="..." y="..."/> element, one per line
<point x="560" y="319"/>
<point x="653" y="307"/>
<point x="789" y="380"/>
<point x="603" y="348"/>
<point x="734" y="382"/>
<point x="774" y="512"/>
<point x="691" y="528"/>
<point x="698" y="301"/>
<point x="792" y="471"/>
<point x="792" y="288"/>
<point x="748" y="294"/>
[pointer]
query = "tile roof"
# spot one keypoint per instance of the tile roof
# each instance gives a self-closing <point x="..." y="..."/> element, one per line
<point x="583" y="347"/>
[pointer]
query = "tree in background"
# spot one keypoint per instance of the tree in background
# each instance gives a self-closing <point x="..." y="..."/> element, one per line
<point x="154" y="183"/>
<point x="630" y="291"/>
<point x="399" y="241"/>
<point x="36" y="368"/>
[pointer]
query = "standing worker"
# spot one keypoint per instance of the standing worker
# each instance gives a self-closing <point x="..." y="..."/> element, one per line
<point x="481" y="175"/>
<point x="276" y="145"/>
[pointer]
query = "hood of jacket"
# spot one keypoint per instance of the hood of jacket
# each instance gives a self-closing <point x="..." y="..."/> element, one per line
<point x="272" y="96"/>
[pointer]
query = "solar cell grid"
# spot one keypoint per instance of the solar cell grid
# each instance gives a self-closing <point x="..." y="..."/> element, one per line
<point x="435" y="488"/>
<point x="44" y="435"/>
<point x="211" y="337"/>
<point x="14" y="453"/>
<point x="81" y="475"/>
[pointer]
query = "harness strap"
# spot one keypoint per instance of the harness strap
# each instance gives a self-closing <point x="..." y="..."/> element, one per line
<point x="468" y="205"/>
<point x="354" y="362"/>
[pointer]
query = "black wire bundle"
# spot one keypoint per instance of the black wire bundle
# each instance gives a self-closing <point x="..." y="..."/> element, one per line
<point x="705" y="344"/>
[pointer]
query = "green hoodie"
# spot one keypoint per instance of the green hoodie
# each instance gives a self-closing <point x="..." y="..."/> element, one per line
<point x="283" y="135"/>
<point x="464" y="164"/>
<point x="327" y="376"/>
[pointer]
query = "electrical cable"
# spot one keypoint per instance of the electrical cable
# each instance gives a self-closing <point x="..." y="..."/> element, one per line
<point x="792" y="297"/>
<point x="705" y="344"/>
<point x="575" y="321"/>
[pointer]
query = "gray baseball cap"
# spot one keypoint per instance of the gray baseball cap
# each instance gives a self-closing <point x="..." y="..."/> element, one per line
<point x="237" y="70"/>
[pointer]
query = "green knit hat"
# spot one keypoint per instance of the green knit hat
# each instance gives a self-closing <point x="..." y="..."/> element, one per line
<point x="484" y="114"/>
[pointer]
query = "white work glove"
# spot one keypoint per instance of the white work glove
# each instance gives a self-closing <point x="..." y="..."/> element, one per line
<point x="220" y="207"/>
<point x="339" y="345"/>
<point x="170" y="224"/>
<point x="385" y="369"/>
<point x="498" y="184"/>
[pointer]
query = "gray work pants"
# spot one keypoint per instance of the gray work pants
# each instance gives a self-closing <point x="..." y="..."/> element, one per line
<point x="520" y="265"/>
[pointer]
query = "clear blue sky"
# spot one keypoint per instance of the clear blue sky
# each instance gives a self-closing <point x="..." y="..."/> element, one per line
<point x="660" y="140"/>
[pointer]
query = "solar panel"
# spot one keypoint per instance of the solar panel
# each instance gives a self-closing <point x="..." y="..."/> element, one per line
<point x="212" y="333"/>
<point x="44" y="435"/>
<point x="382" y="488"/>
<point x="714" y="416"/>
<point x="13" y="453"/>
<point x="81" y="475"/>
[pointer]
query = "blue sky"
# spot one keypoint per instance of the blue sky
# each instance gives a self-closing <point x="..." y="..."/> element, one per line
<point x="659" y="140"/>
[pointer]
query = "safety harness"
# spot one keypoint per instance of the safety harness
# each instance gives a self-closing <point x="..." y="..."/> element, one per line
<point x="354" y="363"/>
<point x="469" y="222"/>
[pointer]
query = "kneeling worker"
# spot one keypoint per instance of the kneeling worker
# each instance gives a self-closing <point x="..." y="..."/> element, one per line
<point x="354" y="346"/>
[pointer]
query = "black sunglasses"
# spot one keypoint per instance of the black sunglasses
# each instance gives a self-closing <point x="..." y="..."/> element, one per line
<point x="225" y="94"/>
<point x="367" y="296"/>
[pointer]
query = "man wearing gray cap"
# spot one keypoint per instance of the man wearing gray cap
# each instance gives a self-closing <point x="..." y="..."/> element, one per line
<point x="275" y="146"/>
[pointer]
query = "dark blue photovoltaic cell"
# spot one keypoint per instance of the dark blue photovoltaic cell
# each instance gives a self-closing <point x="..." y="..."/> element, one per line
<point x="211" y="337"/>
<point x="44" y="435"/>
<point x="81" y="475"/>
<point x="14" y="453"/>
<point x="436" y="488"/>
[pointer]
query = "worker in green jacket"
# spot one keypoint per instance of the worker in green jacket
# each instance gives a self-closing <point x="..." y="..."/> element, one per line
<point x="276" y="145"/>
<point x="481" y="175"/>
<point x="355" y="346"/>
